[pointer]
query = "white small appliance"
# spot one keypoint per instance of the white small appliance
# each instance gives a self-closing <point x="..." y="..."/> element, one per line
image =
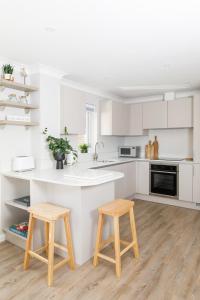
<point x="129" y="151"/>
<point x="23" y="163"/>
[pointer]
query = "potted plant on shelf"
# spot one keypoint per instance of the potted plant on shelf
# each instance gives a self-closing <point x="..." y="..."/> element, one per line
<point x="84" y="148"/>
<point x="8" y="72"/>
<point x="60" y="147"/>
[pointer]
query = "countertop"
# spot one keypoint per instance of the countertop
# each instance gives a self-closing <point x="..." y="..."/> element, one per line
<point x="84" y="173"/>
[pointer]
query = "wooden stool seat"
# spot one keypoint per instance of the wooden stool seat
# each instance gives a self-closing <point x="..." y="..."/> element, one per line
<point x="116" y="209"/>
<point x="49" y="213"/>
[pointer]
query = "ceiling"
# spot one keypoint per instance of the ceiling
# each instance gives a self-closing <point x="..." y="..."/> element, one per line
<point x="129" y="48"/>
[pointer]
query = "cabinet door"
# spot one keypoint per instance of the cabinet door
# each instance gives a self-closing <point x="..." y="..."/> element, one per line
<point x="120" y="120"/>
<point x="130" y="182"/>
<point x="155" y="115"/>
<point x="186" y="182"/>
<point x="196" y="183"/>
<point x="142" y="177"/>
<point x="135" y="119"/>
<point x="180" y="113"/>
<point x="72" y="110"/>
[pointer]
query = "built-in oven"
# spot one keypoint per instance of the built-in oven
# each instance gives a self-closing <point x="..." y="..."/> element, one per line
<point x="164" y="180"/>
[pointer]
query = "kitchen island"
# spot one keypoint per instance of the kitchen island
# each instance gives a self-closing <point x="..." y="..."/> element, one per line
<point x="80" y="189"/>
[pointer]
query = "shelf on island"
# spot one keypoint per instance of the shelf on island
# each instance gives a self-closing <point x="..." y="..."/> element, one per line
<point x="18" y="123"/>
<point x="17" y="86"/>
<point x="15" y="204"/>
<point x="11" y="233"/>
<point x="17" y="105"/>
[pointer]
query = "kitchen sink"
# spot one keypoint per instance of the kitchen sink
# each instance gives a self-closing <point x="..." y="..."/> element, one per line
<point x="106" y="161"/>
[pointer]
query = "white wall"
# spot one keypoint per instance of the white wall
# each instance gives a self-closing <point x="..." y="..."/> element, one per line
<point x="172" y="142"/>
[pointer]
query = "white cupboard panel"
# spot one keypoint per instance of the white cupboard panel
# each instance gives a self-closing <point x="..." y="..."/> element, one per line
<point x="72" y="110"/>
<point x="142" y="177"/>
<point x="186" y="182"/>
<point x="135" y="119"/>
<point x="155" y="115"/>
<point x="196" y="183"/>
<point x="180" y="113"/>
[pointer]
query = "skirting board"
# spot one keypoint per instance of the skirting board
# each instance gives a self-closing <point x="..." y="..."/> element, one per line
<point x="169" y="201"/>
<point x="2" y="237"/>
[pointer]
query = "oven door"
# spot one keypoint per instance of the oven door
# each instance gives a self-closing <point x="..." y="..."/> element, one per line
<point x="164" y="183"/>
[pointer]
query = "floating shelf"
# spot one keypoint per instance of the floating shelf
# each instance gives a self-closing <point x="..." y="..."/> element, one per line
<point x="14" y="204"/>
<point x="17" y="86"/>
<point x="18" y="123"/>
<point x="16" y="105"/>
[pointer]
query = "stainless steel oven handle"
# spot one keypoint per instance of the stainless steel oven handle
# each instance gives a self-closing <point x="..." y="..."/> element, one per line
<point x="164" y="172"/>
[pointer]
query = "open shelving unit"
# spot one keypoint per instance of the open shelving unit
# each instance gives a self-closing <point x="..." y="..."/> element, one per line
<point x="6" y="103"/>
<point x="17" y="86"/>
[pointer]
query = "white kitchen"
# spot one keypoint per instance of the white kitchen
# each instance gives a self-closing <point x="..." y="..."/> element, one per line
<point x="100" y="151"/>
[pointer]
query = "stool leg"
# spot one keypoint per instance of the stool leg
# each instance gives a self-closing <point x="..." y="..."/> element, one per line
<point x="98" y="239"/>
<point x="51" y="253"/>
<point x="117" y="246"/>
<point x="69" y="242"/>
<point x="46" y="237"/>
<point x="29" y="240"/>
<point x="134" y="233"/>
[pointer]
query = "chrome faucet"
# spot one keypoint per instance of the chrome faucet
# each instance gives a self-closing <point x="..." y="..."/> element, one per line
<point x="95" y="156"/>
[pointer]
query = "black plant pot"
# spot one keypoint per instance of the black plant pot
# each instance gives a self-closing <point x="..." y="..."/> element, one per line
<point x="59" y="157"/>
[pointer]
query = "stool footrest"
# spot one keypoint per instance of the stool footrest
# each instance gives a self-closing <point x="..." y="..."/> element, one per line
<point x="40" y="249"/>
<point x="41" y="258"/>
<point x="127" y="248"/>
<point x="106" y="242"/>
<point x="61" y="247"/>
<point x="61" y="263"/>
<point x="106" y="258"/>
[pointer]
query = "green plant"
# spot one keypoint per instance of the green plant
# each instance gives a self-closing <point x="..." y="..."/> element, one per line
<point x="8" y="69"/>
<point x="59" y="145"/>
<point x="83" y="148"/>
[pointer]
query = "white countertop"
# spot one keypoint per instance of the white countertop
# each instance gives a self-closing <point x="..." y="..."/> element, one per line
<point x="83" y="173"/>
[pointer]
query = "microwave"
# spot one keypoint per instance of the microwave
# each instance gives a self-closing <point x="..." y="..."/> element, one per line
<point x="129" y="151"/>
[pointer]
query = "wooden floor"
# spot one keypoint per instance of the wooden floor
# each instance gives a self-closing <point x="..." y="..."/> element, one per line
<point x="168" y="268"/>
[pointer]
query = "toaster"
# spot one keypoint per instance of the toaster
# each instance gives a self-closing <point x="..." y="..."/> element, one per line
<point x="23" y="163"/>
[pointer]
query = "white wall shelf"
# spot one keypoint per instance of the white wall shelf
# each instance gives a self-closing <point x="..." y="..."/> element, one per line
<point x="16" y="105"/>
<point x="7" y="231"/>
<point x="15" y="204"/>
<point x="17" y="86"/>
<point x="18" y="123"/>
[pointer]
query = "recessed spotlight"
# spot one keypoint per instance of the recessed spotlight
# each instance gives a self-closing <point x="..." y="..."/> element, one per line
<point x="50" y="29"/>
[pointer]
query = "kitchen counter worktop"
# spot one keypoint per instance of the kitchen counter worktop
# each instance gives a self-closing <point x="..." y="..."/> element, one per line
<point x="84" y="173"/>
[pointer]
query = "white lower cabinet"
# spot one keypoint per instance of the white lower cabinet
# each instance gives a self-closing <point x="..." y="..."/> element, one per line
<point x="186" y="182"/>
<point x="125" y="186"/>
<point x="196" y="183"/>
<point x="142" y="177"/>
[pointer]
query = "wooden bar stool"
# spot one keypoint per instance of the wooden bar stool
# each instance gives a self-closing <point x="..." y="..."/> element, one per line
<point x="116" y="209"/>
<point x="49" y="213"/>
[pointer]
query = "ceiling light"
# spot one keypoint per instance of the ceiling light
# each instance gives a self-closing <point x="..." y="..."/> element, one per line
<point x="50" y="29"/>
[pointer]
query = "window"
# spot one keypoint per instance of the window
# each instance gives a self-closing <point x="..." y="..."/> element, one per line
<point x="90" y="136"/>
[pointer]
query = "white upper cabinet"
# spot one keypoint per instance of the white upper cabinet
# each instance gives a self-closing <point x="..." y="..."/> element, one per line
<point x="72" y="110"/>
<point x="186" y="182"/>
<point x="155" y="115"/>
<point x="180" y="113"/>
<point x="135" y="119"/>
<point x="142" y="177"/>
<point x="114" y="118"/>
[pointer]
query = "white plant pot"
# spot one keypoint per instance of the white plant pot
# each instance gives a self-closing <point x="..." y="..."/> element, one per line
<point x="7" y="76"/>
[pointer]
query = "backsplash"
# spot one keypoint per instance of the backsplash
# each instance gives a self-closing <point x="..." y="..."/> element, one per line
<point x="172" y="142"/>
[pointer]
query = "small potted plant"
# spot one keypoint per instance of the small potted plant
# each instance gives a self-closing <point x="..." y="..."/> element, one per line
<point x="60" y="147"/>
<point x="7" y="72"/>
<point x="84" y="148"/>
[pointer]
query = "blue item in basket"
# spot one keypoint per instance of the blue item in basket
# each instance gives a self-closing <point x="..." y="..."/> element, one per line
<point x="12" y="228"/>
